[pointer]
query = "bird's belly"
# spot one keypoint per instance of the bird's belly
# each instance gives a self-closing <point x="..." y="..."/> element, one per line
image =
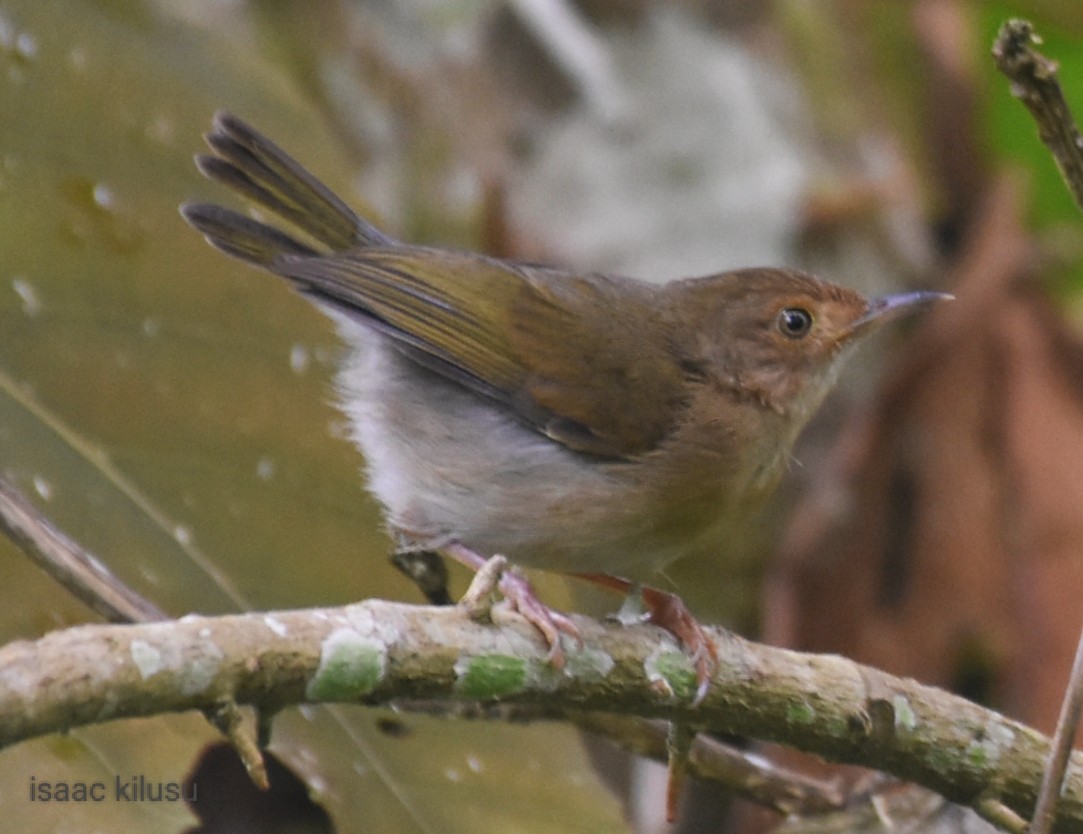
<point x="449" y="465"/>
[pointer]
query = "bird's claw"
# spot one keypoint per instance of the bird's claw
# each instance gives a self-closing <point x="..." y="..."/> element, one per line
<point x="518" y="591"/>
<point x="668" y="611"/>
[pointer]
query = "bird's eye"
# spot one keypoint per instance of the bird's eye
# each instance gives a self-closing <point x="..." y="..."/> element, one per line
<point x="794" y="322"/>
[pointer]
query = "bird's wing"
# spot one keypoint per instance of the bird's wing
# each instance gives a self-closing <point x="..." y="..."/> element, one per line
<point x="582" y="359"/>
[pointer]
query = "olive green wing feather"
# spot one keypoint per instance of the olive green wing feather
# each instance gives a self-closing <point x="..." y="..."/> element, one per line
<point x="530" y="338"/>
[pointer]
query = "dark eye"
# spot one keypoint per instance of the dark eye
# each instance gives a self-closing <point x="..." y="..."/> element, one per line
<point x="794" y="322"/>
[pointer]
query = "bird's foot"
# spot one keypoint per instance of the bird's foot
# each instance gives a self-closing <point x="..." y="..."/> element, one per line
<point x="669" y="612"/>
<point x="478" y="599"/>
<point x="519" y="593"/>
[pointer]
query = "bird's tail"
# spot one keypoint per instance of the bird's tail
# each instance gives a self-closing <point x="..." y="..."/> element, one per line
<point x="252" y="165"/>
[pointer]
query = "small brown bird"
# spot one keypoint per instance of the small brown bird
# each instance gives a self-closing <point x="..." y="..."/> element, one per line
<point x="581" y="423"/>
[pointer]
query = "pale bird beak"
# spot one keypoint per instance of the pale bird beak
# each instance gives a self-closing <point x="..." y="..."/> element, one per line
<point x="889" y="307"/>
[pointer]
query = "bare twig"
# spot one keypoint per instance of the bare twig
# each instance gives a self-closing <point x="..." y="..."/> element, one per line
<point x="1057" y="763"/>
<point x="90" y="581"/>
<point x="75" y="568"/>
<point x="1001" y="816"/>
<point x="1034" y="82"/>
<point x="229" y="721"/>
<point x="748" y="774"/>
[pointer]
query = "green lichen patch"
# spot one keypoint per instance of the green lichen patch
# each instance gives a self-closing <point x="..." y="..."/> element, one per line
<point x="489" y="676"/>
<point x="672" y="671"/>
<point x="351" y="665"/>
<point x="800" y="713"/>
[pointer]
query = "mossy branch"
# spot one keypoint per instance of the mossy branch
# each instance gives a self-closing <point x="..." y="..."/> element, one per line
<point x="378" y="653"/>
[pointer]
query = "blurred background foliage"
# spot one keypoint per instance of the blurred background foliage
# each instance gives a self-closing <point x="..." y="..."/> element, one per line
<point x="173" y="411"/>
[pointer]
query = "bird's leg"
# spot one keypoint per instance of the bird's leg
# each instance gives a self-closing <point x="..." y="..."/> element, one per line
<point x="426" y="569"/>
<point x="518" y="591"/>
<point x="678" y="746"/>
<point x="668" y="611"/>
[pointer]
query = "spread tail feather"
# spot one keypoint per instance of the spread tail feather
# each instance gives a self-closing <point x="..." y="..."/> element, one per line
<point x="255" y="167"/>
<point x="240" y="236"/>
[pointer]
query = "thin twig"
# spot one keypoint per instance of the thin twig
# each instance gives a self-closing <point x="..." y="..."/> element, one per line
<point x="75" y="568"/>
<point x="748" y="774"/>
<point x="1034" y="82"/>
<point x="1000" y="815"/>
<point x="90" y="581"/>
<point x="1057" y="763"/>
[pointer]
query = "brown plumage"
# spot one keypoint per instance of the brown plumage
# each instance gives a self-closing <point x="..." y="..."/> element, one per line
<point x="575" y="422"/>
